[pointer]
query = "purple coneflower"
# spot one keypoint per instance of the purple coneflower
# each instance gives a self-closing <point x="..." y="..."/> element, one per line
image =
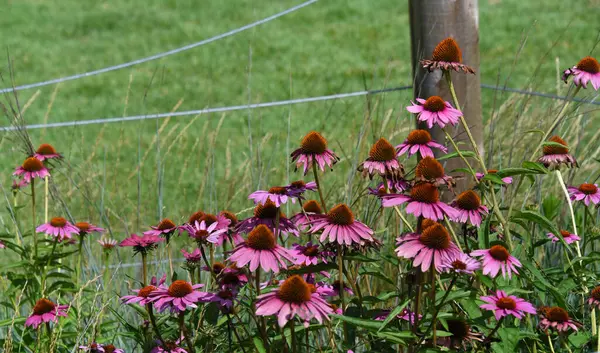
<point x="566" y="235"/>
<point x="469" y="208"/>
<point x="435" y="111"/>
<point x="554" y="155"/>
<point x="381" y="161"/>
<point x="86" y="228"/>
<point x="2" y="246"/>
<point x="32" y="168"/>
<point x="405" y="315"/>
<point x="303" y="220"/>
<point x="594" y="299"/>
<point x="586" y="70"/>
<point x="503" y="305"/>
<point x="232" y="277"/>
<point x="165" y="228"/>
<point x="430" y="170"/>
<point x="45" y="311"/>
<point x="462" y="334"/>
<point x="294" y="297"/>
<point x="424" y="200"/>
<point x="203" y="233"/>
<point x="506" y="180"/>
<point x="586" y="193"/>
<point x="313" y="150"/>
<point x="142" y="244"/>
<point x="168" y="347"/>
<point x="419" y="141"/>
<point x="432" y="247"/>
<point x="340" y="226"/>
<point x="179" y="296"/>
<point x="101" y="348"/>
<point x="194" y="258"/>
<point x="299" y="187"/>
<point x="446" y="56"/>
<point x="279" y="195"/>
<point x="59" y="228"/>
<point x="337" y="286"/>
<point x="107" y="243"/>
<point x="261" y="248"/>
<point x="142" y="295"/>
<point x="266" y="214"/>
<point x="46" y="151"/>
<point x="460" y="263"/>
<point x="496" y="259"/>
<point x="309" y="254"/>
<point x="224" y="298"/>
<point x="557" y="318"/>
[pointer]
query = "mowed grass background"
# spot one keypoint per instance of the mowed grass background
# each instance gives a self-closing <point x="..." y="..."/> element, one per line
<point x="128" y="175"/>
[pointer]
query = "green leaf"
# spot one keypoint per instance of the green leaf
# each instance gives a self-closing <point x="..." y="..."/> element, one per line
<point x="258" y="344"/>
<point x="367" y="324"/>
<point x="393" y="314"/>
<point x="313" y="268"/>
<point x="535" y="166"/>
<point x="467" y="154"/>
<point x="396" y="337"/>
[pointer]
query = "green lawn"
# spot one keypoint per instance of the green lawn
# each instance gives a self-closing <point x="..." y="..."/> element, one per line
<point x="206" y="162"/>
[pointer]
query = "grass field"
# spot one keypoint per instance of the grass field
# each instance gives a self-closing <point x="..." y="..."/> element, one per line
<point x="206" y="162"/>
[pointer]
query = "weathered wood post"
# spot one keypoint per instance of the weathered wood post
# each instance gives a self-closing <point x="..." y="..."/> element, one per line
<point x="431" y="21"/>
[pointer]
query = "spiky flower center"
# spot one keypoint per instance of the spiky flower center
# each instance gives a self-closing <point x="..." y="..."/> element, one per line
<point x="468" y="200"/>
<point x="298" y="184"/>
<point x="83" y="226"/>
<point x="195" y="217"/>
<point x="230" y="279"/>
<point x="499" y="253"/>
<point x="46" y="149"/>
<point x="589" y="65"/>
<point x="166" y="224"/>
<point x="557" y="314"/>
<point x="58" y="222"/>
<point x="261" y="238"/>
<point x="447" y="50"/>
<point x="208" y="219"/>
<point x="382" y="151"/>
<point x="549" y="150"/>
<point x="565" y="233"/>
<point x="418" y="137"/>
<point x="312" y="206"/>
<point x="588" y="189"/>
<point x="201" y="234"/>
<point x="230" y="216"/>
<point x="429" y="168"/>
<point x="313" y="143"/>
<point x="596" y="293"/>
<point x="278" y="190"/>
<point x="459" y="265"/>
<point x="311" y="250"/>
<point x="294" y="290"/>
<point x="109" y="348"/>
<point x="435" y="237"/>
<point x="266" y="210"/>
<point x="506" y="303"/>
<point x="458" y="328"/>
<point x="492" y="171"/>
<point x="217" y="267"/>
<point x="145" y="292"/>
<point x="340" y="215"/>
<point x="426" y="223"/>
<point x="434" y="104"/>
<point x="225" y="294"/>
<point x="180" y="289"/>
<point x="32" y="164"/>
<point x="425" y="192"/>
<point x="43" y="306"/>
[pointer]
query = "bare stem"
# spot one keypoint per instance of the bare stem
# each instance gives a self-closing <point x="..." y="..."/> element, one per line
<point x="33" y="221"/>
<point x="144" y="268"/>
<point x="314" y="168"/>
<point x="185" y="332"/>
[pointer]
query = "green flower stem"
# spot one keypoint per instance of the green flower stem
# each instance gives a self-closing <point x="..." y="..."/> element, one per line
<point x="460" y="154"/>
<point x="451" y="230"/>
<point x="46" y="199"/>
<point x="316" y="174"/>
<point x="293" y="333"/>
<point x="153" y="323"/>
<point x="437" y="309"/>
<point x="144" y="268"/>
<point x="185" y="332"/>
<point x="33" y="220"/>
<point x="491" y="334"/>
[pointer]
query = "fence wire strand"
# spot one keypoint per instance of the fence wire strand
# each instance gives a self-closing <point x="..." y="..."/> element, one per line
<point x="160" y="55"/>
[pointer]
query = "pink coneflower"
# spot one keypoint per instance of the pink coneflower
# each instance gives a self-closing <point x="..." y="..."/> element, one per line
<point x="2" y="246"/>
<point x="261" y="249"/>
<point x="586" y="193"/>
<point x="168" y="347"/>
<point x="506" y="180"/>
<point x="558" y="319"/>
<point x="424" y="200"/>
<point x="405" y="315"/>
<point x="224" y="298"/>
<point x="381" y="161"/>
<point x="419" y="141"/>
<point x="101" y="348"/>
<point x="203" y="233"/>
<point x="309" y="254"/>
<point x="165" y="228"/>
<point x="430" y="170"/>
<point x="336" y="286"/>
<point x="304" y="219"/>
<point x="299" y="187"/>
<point x="279" y="195"/>
<point x="193" y="258"/>
<point x="142" y="244"/>
<point x="59" y="228"/>
<point x="17" y="185"/>
<point x="107" y="244"/>
<point x="222" y="220"/>
<point x="566" y="235"/>
<point x="267" y="214"/>
<point x="232" y="277"/>
<point x="340" y="226"/>
<point x="594" y="299"/>
<point x="142" y="295"/>
<point x="435" y="111"/>
<point x="432" y="247"/>
<point x="313" y="150"/>
<point x="294" y="297"/>
<point x="460" y="263"/>
<point x="87" y="228"/>
<point x="45" y="311"/>
<point x="469" y="208"/>
<point x="496" y="259"/>
<point x="446" y="56"/>
<point x="554" y="156"/>
<point x="32" y="168"/>
<point x="504" y="305"/>
<point x="46" y="151"/>
<point x="586" y="70"/>
<point x="462" y="334"/>
<point x="179" y="296"/>
<point x="393" y="186"/>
